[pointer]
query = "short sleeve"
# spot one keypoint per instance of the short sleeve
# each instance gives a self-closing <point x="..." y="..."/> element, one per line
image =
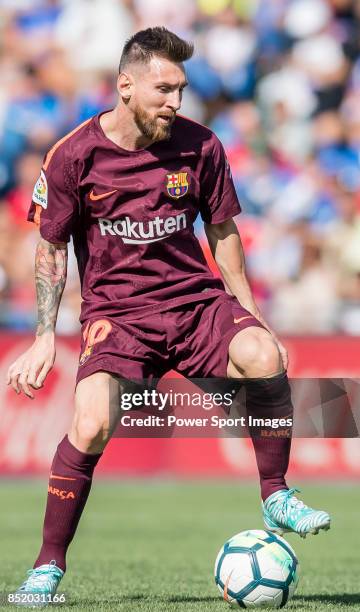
<point x="54" y="207"/>
<point x="218" y="199"/>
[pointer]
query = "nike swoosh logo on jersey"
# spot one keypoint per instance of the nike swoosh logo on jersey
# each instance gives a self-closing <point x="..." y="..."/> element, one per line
<point x="94" y="197"/>
<point x="243" y="318"/>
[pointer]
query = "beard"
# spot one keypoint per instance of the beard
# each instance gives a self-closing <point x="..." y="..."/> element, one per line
<point x="152" y="127"/>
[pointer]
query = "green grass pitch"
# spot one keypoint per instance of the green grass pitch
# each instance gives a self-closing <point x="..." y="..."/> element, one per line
<point x="151" y="545"/>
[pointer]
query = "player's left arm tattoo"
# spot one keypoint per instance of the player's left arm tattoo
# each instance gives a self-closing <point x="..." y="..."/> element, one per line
<point x="50" y="279"/>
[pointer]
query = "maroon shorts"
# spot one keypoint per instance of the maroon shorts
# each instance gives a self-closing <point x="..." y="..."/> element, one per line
<point x="192" y="339"/>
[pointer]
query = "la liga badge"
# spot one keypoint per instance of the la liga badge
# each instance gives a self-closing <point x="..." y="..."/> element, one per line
<point x="177" y="184"/>
<point x="41" y="190"/>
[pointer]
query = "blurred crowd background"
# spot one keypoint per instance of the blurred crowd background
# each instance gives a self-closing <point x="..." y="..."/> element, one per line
<point x="279" y="83"/>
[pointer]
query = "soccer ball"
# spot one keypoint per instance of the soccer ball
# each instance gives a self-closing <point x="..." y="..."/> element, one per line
<point x="257" y="568"/>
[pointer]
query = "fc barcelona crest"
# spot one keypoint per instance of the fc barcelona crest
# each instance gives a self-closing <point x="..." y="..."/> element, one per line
<point x="177" y="184"/>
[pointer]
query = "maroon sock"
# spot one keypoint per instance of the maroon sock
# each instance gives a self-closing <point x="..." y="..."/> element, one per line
<point x="69" y="486"/>
<point x="270" y="398"/>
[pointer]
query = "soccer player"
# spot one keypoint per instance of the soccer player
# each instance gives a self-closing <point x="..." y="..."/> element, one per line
<point x="127" y="185"/>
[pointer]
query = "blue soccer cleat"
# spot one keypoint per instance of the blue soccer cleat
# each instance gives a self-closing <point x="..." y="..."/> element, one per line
<point x="41" y="586"/>
<point x="283" y="513"/>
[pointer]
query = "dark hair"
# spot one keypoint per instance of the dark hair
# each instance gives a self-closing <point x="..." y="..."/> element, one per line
<point x="155" y="41"/>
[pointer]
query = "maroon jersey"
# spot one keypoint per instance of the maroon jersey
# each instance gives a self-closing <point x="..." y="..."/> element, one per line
<point x="131" y="215"/>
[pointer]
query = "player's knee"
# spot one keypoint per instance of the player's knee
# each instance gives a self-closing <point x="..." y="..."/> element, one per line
<point x="90" y="429"/>
<point x="89" y="432"/>
<point x="95" y="413"/>
<point x="255" y="354"/>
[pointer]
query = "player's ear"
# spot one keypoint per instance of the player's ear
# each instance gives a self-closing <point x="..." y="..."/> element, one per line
<point x="125" y="86"/>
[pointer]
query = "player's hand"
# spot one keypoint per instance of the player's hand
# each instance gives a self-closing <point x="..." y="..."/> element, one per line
<point x="31" y="368"/>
